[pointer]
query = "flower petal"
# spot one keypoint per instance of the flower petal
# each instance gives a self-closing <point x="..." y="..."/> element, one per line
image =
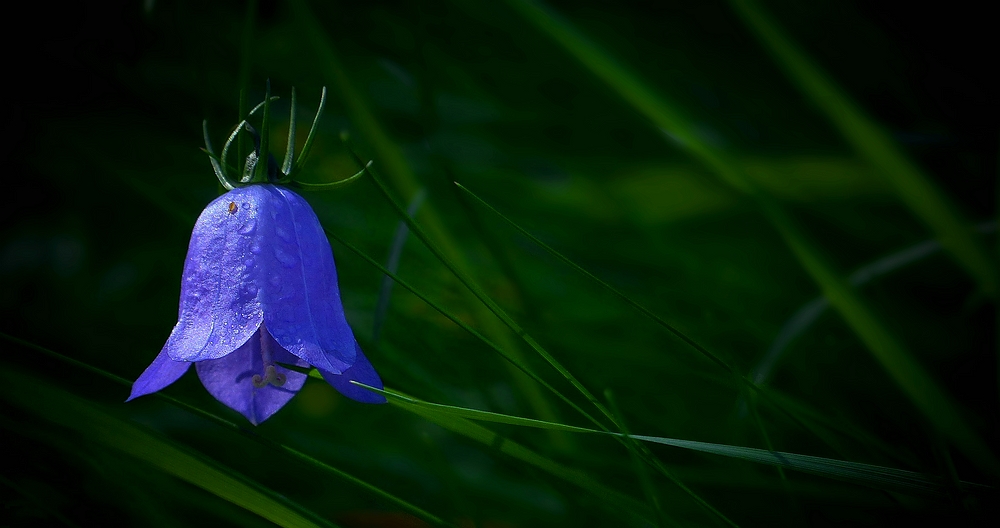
<point x="219" y="306"/>
<point x="298" y="282"/>
<point x="361" y="371"/>
<point x="161" y="372"/>
<point x="230" y="379"/>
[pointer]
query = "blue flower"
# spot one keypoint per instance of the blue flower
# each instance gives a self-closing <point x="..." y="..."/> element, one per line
<point x="260" y="289"/>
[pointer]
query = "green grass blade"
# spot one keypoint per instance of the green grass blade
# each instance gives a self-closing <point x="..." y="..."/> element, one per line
<point x="871" y="475"/>
<point x="55" y="405"/>
<point x="392" y="264"/>
<point x="935" y="404"/>
<point x="484" y="298"/>
<point x="516" y="362"/>
<point x="405" y="183"/>
<point x="566" y="260"/>
<point x="914" y="188"/>
<point x="457" y="424"/>
<point x="502" y="315"/>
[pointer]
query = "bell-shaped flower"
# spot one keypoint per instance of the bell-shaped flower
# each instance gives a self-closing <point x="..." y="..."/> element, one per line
<point x="259" y="290"/>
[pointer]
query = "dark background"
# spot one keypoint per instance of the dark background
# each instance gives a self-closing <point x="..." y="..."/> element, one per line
<point x="104" y="109"/>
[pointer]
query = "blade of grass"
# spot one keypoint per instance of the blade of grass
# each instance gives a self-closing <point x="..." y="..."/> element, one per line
<point x="566" y="260"/>
<point x="266" y="442"/>
<point x="871" y="475"/>
<point x="55" y="405"/>
<point x="782" y="405"/>
<point x="640" y="467"/>
<point x="644" y="453"/>
<point x="493" y="307"/>
<point x="627" y="504"/>
<point x="392" y="264"/>
<point x="914" y="188"/>
<point x="811" y="311"/>
<point x="407" y="185"/>
<point x="935" y="404"/>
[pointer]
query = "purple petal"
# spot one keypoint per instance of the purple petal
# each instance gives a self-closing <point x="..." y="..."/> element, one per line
<point x="298" y="282"/>
<point x="361" y="371"/>
<point x="230" y="379"/>
<point x="219" y="306"/>
<point x="161" y="372"/>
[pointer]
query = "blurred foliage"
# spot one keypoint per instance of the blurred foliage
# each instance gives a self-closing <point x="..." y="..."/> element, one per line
<point x="104" y="133"/>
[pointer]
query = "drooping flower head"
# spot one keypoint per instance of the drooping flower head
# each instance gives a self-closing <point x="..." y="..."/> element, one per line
<point x="259" y="290"/>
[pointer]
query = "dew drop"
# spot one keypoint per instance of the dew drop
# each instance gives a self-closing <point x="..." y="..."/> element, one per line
<point x="285" y="258"/>
<point x="283" y="233"/>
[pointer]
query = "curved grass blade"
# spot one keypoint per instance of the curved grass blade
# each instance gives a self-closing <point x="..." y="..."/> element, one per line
<point x="460" y="425"/>
<point x="930" y="399"/>
<point x="914" y="188"/>
<point x="859" y="473"/>
<point x="642" y="309"/>
<point x="472" y="331"/>
<point x="809" y="312"/>
<point x="406" y="184"/>
<point x="55" y="405"/>
<point x="392" y="264"/>
<point x="644" y="453"/>
<point x="483" y="297"/>
<point x="270" y="444"/>
<point x="781" y="405"/>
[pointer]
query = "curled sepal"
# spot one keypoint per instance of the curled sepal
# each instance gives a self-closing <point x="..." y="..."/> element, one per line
<point x="250" y="381"/>
<point x="297" y="166"/>
<point x="361" y="371"/>
<point x="262" y="172"/>
<point x="224" y="156"/>
<point x="286" y="164"/>
<point x="331" y="185"/>
<point x="161" y="372"/>
<point x="216" y="163"/>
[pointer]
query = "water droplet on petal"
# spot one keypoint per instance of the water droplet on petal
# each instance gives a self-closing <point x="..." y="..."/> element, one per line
<point x="285" y="258"/>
